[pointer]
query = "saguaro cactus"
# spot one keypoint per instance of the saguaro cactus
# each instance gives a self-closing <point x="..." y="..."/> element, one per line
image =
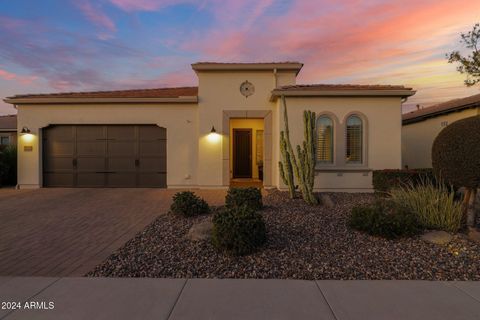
<point x="302" y="165"/>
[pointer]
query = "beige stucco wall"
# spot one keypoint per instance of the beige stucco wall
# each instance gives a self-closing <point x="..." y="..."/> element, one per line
<point x="418" y="137"/>
<point x="179" y="119"/>
<point x="218" y="92"/>
<point x="255" y="125"/>
<point x="382" y="136"/>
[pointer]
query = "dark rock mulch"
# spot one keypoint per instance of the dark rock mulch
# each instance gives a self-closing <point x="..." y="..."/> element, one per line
<point x="303" y="243"/>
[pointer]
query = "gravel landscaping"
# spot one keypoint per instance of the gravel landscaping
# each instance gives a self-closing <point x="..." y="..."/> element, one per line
<point x="303" y="243"/>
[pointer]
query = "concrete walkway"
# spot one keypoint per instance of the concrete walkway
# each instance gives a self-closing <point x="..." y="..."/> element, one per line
<point x="106" y="298"/>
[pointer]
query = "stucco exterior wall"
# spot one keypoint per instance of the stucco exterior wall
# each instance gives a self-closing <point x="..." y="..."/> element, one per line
<point x="180" y="120"/>
<point x="418" y="137"/>
<point x="219" y="92"/>
<point x="382" y="127"/>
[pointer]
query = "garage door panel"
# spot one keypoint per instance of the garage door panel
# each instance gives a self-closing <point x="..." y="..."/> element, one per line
<point x="90" y="179"/>
<point x="91" y="164"/>
<point x="147" y="133"/>
<point x="90" y="148"/>
<point x="58" y="163"/>
<point x="59" y="148"/>
<point x="122" y="179"/>
<point x="121" y="164"/>
<point x="59" y="179"/>
<point x="104" y="156"/>
<point x="152" y="148"/>
<point x="152" y="164"/>
<point x="121" y="148"/>
<point x="60" y="133"/>
<point x="151" y="180"/>
<point x="121" y="132"/>
<point x="90" y="133"/>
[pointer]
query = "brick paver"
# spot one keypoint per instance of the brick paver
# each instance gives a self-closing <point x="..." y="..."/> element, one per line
<point x="66" y="232"/>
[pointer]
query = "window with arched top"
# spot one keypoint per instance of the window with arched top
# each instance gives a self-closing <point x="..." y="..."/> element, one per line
<point x="324" y="139"/>
<point x="354" y="140"/>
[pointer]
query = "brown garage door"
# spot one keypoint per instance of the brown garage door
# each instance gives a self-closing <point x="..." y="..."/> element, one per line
<point x="104" y="156"/>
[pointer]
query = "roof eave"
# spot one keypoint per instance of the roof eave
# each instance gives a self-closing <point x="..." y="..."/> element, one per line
<point x="248" y="67"/>
<point x="438" y="113"/>
<point x="341" y="93"/>
<point x="181" y="99"/>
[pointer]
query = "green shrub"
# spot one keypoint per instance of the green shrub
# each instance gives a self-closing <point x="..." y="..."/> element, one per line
<point x="385" y="180"/>
<point x="384" y="219"/>
<point x="456" y="153"/>
<point x="434" y="205"/>
<point x="188" y="204"/>
<point x="8" y="166"/>
<point x="238" y="231"/>
<point x="250" y="197"/>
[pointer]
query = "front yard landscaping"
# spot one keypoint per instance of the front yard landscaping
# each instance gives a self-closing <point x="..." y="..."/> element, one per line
<point x="303" y="242"/>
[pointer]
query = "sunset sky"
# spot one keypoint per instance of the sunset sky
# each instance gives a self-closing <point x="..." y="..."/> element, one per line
<point x="78" y="45"/>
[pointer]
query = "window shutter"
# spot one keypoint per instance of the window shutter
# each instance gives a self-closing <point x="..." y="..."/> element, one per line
<point x="354" y="140"/>
<point x="325" y="140"/>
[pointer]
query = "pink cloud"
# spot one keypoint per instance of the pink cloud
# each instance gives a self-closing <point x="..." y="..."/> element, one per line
<point x="25" y="80"/>
<point x="96" y="15"/>
<point x="147" y="5"/>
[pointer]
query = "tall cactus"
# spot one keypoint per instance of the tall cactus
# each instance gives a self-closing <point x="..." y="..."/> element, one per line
<point x="303" y="165"/>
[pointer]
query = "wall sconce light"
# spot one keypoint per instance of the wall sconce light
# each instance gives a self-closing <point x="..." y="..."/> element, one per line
<point x="213" y="136"/>
<point x="25" y="130"/>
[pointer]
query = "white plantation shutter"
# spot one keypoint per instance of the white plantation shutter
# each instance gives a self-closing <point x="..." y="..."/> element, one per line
<point x="325" y="139"/>
<point x="354" y="139"/>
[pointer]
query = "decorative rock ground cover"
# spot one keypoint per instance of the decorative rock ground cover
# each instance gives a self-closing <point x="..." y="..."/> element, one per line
<point x="303" y="243"/>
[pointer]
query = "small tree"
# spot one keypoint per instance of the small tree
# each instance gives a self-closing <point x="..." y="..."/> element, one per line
<point x="470" y="64"/>
<point x="303" y="164"/>
<point x="456" y="158"/>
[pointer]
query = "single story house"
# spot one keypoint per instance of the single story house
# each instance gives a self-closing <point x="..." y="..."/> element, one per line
<point x="421" y="127"/>
<point x="225" y="129"/>
<point x="8" y="130"/>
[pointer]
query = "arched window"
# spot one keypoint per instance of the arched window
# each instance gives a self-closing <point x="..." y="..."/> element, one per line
<point x="354" y="143"/>
<point x="324" y="140"/>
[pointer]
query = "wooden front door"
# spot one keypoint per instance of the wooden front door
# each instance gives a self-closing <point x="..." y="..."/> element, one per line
<point x="242" y="153"/>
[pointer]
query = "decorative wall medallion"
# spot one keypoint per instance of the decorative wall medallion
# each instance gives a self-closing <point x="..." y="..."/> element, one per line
<point x="247" y="89"/>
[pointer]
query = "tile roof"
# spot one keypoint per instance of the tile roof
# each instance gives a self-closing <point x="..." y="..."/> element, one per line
<point x="442" y="108"/>
<point x="8" y="122"/>
<point x="316" y="87"/>
<point x="136" y="93"/>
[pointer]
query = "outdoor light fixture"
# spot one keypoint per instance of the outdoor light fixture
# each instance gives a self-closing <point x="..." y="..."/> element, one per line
<point x="213" y="136"/>
<point x="25" y="130"/>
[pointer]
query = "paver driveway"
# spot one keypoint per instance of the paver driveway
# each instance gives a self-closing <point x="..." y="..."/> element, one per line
<point x="66" y="232"/>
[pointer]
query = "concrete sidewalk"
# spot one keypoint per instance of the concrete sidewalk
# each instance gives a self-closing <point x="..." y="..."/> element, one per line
<point x="107" y="298"/>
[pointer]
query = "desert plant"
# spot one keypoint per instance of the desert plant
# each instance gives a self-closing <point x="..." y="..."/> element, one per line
<point x="302" y="164"/>
<point x="385" y="180"/>
<point x="250" y="197"/>
<point x="456" y="158"/>
<point x="384" y="219"/>
<point x="188" y="204"/>
<point x="8" y="165"/>
<point x="433" y="204"/>
<point x="238" y="231"/>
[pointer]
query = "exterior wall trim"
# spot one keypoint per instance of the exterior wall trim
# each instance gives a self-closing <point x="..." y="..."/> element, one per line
<point x="184" y="99"/>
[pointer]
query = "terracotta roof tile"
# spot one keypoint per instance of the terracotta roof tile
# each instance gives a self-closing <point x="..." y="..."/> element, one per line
<point x="442" y="108"/>
<point x="315" y="87"/>
<point x="8" y="122"/>
<point x="136" y="93"/>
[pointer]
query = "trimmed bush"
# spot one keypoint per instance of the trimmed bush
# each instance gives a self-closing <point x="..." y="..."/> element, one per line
<point x="434" y="205"/>
<point x="238" y="231"/>
<point x="384" y="219"/>
<point x="188" y="204"/>
<point x="385" y="180"/>
<point x="456" y="153"/>
<point x="250" y="197"/>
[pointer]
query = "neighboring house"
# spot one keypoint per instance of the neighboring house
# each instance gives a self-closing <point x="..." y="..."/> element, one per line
<point x="421" y="127"/>
<point x="8" y="130"/>
<point x="226" y="128"/>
